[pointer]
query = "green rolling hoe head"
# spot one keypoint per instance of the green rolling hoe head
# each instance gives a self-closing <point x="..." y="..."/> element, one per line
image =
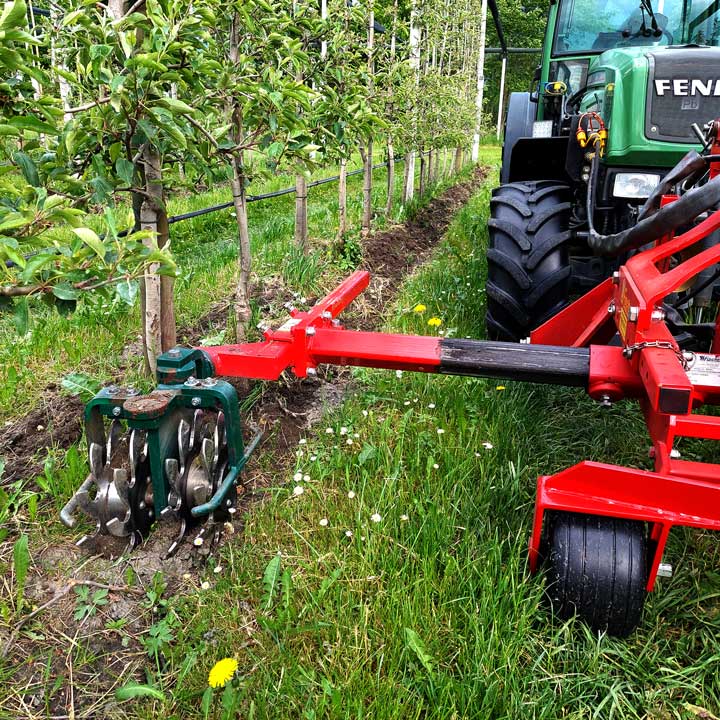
<point x="173" y="454"/>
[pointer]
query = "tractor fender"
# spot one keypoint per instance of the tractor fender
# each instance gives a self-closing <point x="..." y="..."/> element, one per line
<point x="519" y="124"/>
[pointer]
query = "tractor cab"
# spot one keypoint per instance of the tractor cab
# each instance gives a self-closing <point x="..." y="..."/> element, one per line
<point x="619" y="99"/>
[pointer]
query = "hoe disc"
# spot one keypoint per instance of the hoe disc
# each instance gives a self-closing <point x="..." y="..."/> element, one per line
<point x="120" y="496"/>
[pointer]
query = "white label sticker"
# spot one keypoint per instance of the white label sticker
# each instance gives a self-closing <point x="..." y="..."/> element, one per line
<point x="288" y="325"/>
<point x="703" y="369"/>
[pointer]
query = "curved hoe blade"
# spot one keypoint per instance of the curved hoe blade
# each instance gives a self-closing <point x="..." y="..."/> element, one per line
<point x="95" y="458"/>
<point x="220" y="437"/>
<point x="138" y="452"/>
<point x="183" y="440"/>
<point x="114" y="435"/>
<point x="178" y="540"/>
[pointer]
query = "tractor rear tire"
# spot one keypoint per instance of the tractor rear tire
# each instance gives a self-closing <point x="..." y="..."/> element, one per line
<point x="598" y="570"/>
<point x="528" y="265"/>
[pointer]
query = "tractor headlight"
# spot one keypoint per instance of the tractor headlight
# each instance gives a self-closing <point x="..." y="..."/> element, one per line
<point x="635" y="186"/>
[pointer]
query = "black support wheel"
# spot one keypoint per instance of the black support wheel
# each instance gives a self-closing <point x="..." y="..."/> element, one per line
<point x="597" y="570"/>
<point x="528" y="265"/>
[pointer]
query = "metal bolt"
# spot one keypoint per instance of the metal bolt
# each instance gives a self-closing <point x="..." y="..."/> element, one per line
<point x="173" y="353"/>
<point x="310" y="330"/>
<point x="142" y="505"/>
<point x="209" y="382"/>
<point x="335" y="322"/>
<point x="116" y="411"/>
<point x="605" y="401"/>
<point x="633" y="313"/>
<point x="611" y="308"/>
<point x="665" y="570"/>
<point x="131" y="391"/>
<point x="675" y="454"/>
<point x="228" y="502"/>
<point x="113" y="390"/>
<point x="657" y="315"/>
<point x="326" y="315"/>
<point x="311" y="371"/>
<point x="653" y="128"/>
<point x="196" y="401"/>
<point x="616" y="277"/>
<point x="192" y="381"/>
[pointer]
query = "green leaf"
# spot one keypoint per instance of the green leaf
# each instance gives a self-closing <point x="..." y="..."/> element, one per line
<point x="206" y="702"/>
<point x="415" y="643"/>
<point x="176" y="106"/>
<point x="127" y="291"/>
<point x="133" y="690"/>
<point x="22" y="316"/>
<point x="90" y="238"/>
<point x="14" y="15"/>
<point x="271" y="579"/>
<point x="28" y="168"/>
<point x="21" y="563"/>
<point x="65" y="291"/>
<point x="125" y="170"/>
<point x="80" y="384"/>
<point x="367" y="453"/>
<point x="30" y="122"/>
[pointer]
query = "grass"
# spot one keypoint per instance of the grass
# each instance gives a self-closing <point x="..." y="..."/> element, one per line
<point x="429" y="612"/>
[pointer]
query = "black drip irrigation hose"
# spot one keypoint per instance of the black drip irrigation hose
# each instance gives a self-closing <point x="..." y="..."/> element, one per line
<point x="224" y="206"/>
<point x="266" y="196"/>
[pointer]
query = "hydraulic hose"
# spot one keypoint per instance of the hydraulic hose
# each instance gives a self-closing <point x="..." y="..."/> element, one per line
<point x="665" y="221"/>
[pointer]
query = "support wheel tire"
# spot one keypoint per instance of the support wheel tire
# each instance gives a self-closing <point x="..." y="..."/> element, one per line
<point x="597" y="570"/>
<point x="527" y="257"/>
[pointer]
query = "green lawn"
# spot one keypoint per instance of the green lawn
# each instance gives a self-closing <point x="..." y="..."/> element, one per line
<point x="426" y="610"/>
<point x="395" y="585"/>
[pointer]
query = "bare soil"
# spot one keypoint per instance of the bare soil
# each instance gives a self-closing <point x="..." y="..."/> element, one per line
<point x="47" y="684"/>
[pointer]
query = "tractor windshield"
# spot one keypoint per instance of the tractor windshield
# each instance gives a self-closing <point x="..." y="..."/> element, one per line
<point x="591" y="26"/>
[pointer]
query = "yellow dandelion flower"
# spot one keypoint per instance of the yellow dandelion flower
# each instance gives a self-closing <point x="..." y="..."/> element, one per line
<point x="419" y="308"/>
<point x="222" y="672"/>
<point x="434" y="322"/>
<point x="500" y="387"/>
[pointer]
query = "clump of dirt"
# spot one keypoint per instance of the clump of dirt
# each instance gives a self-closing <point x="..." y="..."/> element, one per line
<point x="57" y="422"/>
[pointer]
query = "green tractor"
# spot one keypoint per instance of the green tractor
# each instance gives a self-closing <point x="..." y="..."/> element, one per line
<point x="612" y="122"/>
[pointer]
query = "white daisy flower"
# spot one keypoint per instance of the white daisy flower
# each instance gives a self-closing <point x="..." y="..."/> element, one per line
<point x="376" y="517"/>
<point x="351" y="494"/>
<point x="298" y="490"/>
<point x="324" y="522"/>
<point x="297" y="477"/>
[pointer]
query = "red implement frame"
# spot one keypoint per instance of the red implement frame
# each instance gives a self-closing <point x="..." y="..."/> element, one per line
<point x="678" y="492"/>
<point x="649" y="367"/>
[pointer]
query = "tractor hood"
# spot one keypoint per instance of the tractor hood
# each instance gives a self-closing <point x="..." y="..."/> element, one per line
<point x="650" y="97"/>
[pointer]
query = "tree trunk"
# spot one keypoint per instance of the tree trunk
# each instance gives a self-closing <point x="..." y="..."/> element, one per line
<point x="430" y="169"/>
<point x="342" y="201"/>
<point x="159" y="328"/>
<point x="436" y="167"/>
<point x="422" y="172"/>
<point x="367" y="187"/>
<point x="301" y="216"/>
<point x="390" y="177"/>
<point x="409" y="179"/>
<point x="458" y="160"/>
<point x="243" y="311"/>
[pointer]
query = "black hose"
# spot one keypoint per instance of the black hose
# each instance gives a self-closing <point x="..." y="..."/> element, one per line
<point x="664" y="222"/>
<point x="696" y="290"/>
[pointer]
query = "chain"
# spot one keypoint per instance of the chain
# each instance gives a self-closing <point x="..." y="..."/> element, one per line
<point x="629" y="350"/>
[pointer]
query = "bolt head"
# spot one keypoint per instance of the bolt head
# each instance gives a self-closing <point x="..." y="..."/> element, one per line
<point x="173" y="353"/>
<point x="611" y="308"/>
<point x="196" y="401"/>
<point x="116" y="411"/>
<point x="142" y="505"/>
<point x="326" y="315"/>
<point x="192" y="381"/>
<point x="311" y="371"/>
<point x="657" y="315"/>
<point x="634" y="313"/>
<point x="616" y="277"/>
<point x="310" y="330"/>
